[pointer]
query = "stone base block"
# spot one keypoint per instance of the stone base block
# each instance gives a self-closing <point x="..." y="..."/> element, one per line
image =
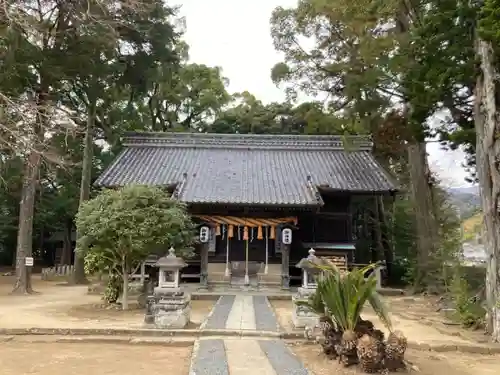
<point x="240" y="281"/>
<point x="305" y="320"/>
<point x="302" y="316"/>
<point x="172" y="318"/>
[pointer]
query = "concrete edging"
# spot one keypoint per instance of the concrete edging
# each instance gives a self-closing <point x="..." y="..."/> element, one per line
<point x="32" y="339"/>
<point x="461" y="348"/>
<point x="180" y="337"/>
<point x="213" y="296"/>
<point x="152" y="333"/>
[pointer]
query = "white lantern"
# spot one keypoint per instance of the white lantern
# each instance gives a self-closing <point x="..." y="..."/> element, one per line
<point x="168" y="279"/>
<point x="204" y="234"/>
<point x="169" y="273"/>
<point x="286" y="236"/>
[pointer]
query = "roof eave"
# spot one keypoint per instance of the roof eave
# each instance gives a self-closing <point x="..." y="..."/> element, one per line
<point x="360" y="191"/>
<point x="246" y="204"/>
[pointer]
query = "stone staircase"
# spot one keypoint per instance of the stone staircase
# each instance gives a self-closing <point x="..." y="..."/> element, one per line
<point x="273" y="277"/>
<point x="216" y="276"/>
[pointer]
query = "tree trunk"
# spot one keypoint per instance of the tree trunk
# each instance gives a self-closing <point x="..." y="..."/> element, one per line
<point x="67" y="248"/>
<point x="125" y="285"/>
<point x="488" y="155"/>
<point x="386" y="242"/>
<point x="79" y="273"/>
<point x="425" y="221"/>
<point x="25" y="230"/>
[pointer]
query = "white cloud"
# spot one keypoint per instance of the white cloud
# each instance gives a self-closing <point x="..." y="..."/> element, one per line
<point x="235" y="35"/>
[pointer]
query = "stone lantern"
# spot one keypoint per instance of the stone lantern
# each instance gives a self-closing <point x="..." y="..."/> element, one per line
<point x="169" y="307"/>
<point x="302" y="316"/>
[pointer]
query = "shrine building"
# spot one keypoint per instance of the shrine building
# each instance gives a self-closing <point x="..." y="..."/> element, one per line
<point x="261" y="201"/>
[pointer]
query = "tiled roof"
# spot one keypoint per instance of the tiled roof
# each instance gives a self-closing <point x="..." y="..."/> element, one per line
<point x="247" y="169"/>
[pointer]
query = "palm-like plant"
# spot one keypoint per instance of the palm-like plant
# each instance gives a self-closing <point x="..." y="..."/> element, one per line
<point x="341" y="298"/>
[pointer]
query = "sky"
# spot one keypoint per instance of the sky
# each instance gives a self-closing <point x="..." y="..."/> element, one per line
<point x="235" y="35"/>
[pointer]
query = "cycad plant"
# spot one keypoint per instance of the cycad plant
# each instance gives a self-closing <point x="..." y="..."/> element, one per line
<point x="340" y="299"/>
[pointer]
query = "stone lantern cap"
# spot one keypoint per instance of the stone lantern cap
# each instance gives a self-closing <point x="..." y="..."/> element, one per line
<point x="171" y="261"/>
<point x="310" y="262"/>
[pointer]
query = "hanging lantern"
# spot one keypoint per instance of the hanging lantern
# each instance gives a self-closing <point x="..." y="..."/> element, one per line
<point x="245" y="233"/>
<point x="217" y="230"/>
<point x="272" y="236"/>
<point x="259" y="233"/>
<point x="230" y="232"/>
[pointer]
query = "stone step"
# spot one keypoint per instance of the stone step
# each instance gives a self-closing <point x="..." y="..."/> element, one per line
<point x="269" y="277"/>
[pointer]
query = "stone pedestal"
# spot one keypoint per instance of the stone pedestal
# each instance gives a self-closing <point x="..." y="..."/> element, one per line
<point x="171" y="308"/>
<point x="303" y="317"/>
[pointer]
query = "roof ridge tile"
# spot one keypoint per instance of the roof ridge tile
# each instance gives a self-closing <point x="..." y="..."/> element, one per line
<point x="248" y="141"/>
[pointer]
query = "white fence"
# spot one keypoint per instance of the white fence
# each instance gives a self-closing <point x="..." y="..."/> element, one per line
<point x="50" y="273"/>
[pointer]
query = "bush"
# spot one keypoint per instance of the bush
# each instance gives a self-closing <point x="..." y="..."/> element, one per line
<point x="339" y="300"/>
<point x="120" y="228"/>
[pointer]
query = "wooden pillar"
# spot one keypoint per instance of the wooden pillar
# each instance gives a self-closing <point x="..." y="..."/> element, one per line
<point x="143" y="273"/>
<point x="204" y="264"/>
<point x="285" y="264"/>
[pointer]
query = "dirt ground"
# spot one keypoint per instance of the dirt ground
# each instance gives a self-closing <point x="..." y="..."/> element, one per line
<point x="60" y="306"/>
<point x="84" y="359"/>
<point x="426" y="363"/>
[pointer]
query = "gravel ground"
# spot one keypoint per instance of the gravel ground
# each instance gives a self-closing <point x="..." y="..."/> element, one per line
<point x="283" y="310"/>
<point x="265" y="320"/>
<point x="84" y="359"/>
<point x="209" y="358"/>
<point x="220" y="313"/>
<point x="282" y="359"/>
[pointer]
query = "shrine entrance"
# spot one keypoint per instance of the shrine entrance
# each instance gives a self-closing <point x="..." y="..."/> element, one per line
<point x="245" y="243"/>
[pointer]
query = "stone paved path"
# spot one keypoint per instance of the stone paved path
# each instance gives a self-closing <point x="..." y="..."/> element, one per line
<point x="237" y="356"/>
<point x="240" y="355"/>
<point x="242" y="312"/>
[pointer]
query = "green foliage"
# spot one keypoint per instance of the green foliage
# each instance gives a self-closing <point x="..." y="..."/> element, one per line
<point x="195" y="94"/>
<point x="346" y="57"/>
<point x="246" y="114"/>
<point x="403" y="235"/>
<point x="119" y="228"/>
<point x="442" y="75"/>
<point x="489" y="21"/>
<point x="114" y="287"/>
<point x="343" y="297"/>
<point x="469" y="311"/>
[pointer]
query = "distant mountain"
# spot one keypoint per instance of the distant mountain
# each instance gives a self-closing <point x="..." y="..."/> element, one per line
<point x="474" y="190"/>
<point x="466" y="199"/>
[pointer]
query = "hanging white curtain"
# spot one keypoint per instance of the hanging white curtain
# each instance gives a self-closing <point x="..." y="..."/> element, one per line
<point x="267" y="249"/>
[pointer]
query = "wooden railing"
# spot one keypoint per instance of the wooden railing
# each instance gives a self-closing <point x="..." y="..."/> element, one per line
<point x="340" y="261"/>
<point x="377" y="271"/>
